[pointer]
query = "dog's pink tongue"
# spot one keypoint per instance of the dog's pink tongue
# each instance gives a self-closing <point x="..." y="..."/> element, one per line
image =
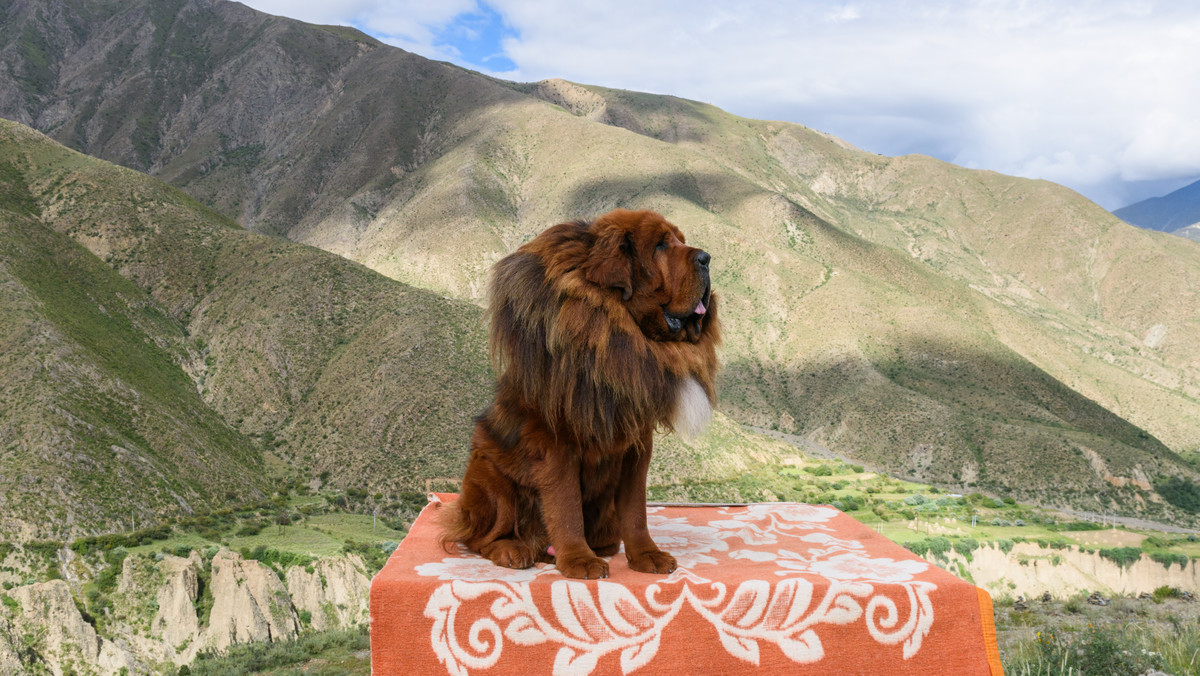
<point x="700" y="309"/>
<point x="550" y="550"/>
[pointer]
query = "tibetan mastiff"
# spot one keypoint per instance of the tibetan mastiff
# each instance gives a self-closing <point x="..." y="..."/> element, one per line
<point x="601" y="332"/>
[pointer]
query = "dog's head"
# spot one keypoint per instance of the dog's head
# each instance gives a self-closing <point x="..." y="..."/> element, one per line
<point x="663" y="282"/>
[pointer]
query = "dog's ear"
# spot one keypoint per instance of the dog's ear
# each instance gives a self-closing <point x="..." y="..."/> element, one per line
<point x="611" y="264"/>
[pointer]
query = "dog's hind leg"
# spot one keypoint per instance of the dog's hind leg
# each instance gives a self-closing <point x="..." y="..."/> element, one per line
<point x="491" y="502"/>
<point x="500" y="544"/>
<point x="510" y="553"/>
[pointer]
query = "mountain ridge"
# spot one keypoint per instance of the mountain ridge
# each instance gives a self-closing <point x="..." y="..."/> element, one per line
<point x="1174" y="212"/>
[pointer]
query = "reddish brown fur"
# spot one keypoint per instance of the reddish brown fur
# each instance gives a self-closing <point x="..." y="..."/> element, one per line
<point x="589" y="367"/>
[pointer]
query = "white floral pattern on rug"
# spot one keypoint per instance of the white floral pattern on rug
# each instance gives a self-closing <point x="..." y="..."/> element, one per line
<point x="589" y="620"/>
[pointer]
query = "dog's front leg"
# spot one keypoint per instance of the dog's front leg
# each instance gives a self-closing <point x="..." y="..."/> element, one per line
<point x="558" y="483"/>
<point x="643" y="554"/>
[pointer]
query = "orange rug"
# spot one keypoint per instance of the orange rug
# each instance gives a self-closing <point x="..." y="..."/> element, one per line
<point x="766" y="588"/>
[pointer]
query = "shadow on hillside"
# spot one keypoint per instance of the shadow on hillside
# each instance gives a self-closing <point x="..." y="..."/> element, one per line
<point x="740" y="203"/>
<point x="713" y="192"/>
<point x="956" y="415"/>
<point x="658" y="116"/>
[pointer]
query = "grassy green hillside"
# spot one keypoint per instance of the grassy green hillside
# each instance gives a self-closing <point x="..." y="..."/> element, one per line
<point x="98" y="423"/>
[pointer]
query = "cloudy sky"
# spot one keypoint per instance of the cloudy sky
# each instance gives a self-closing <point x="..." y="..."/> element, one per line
<point x="1102" y="96"/>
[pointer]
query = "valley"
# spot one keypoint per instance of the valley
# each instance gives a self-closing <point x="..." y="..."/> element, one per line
<point x="243" y="263"/>
<point x="962" y="327"/>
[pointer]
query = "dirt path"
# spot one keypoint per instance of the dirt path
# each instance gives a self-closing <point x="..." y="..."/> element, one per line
<point x="1130" y="521"/>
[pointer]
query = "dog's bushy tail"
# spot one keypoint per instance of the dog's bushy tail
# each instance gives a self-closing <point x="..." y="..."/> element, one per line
<point x="451" y="523"/>
<point x="465" y="521"/>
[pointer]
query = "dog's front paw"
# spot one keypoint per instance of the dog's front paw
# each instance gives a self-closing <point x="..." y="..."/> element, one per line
<point x="582" y="566"/>
<point x="654" y="561"/>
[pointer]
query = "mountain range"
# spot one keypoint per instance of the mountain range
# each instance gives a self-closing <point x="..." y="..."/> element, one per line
<point x="311" y="304"/>
<point x="1177" y="212"/>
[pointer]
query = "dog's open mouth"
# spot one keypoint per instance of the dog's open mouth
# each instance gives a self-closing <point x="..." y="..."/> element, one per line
<point x="692" y="320"/>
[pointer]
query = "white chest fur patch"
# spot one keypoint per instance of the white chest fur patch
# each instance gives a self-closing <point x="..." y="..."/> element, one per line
<point x="692" y="410"/>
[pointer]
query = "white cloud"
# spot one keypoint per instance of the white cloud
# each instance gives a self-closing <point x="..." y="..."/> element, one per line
<point x="412" y="25"/>
<point x="1087" y="94"/>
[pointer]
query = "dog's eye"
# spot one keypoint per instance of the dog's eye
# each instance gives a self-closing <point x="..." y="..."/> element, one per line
<point x="662" y="246"/>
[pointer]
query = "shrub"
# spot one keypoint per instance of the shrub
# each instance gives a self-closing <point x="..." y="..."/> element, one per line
<point x="1155" y="542"/>
<point x="372" y="554"/>
<point x="110" y="541"/>
<point x="1169" y="558"/>
<point x="274" y="557"/>
<point x="1122" y="556"/>
<point x="1073" y="526"/>
<point x="938" y="546"/>
<point x="1165" y="592"/>
<point x="966" y="545"/>
<point x="248" y="658"/>
<point x="1181" y="492"/>
<point x="852" y="503"/>
<point x="46" y="549"/>
<point x="1096" y="651"/>
<point x="250" y="528"/>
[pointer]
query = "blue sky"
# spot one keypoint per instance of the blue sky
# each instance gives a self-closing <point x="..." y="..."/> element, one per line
<point x="1099" y="95"/>
<point x="476" y="37"/>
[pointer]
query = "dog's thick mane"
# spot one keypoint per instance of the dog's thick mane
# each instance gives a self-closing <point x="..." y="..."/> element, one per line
<point x="573" y="350"/>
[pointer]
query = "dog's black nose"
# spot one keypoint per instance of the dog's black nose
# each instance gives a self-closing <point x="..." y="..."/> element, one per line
<point x="702" y="259"/>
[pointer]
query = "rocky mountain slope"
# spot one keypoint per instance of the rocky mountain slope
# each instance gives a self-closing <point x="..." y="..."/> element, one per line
<point x="968" y="328"/>
<point x="1029" y="569"/>
<point x="99" y="424"/>
<point x="1177" y="213"/>
<point x="173" y="350"/>
<point x="158" y="360"/>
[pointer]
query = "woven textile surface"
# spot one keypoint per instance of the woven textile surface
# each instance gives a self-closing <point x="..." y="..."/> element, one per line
<point x="767" y="588"/>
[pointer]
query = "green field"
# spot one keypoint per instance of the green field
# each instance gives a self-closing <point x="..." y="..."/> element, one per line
<point x="902" y="510"/>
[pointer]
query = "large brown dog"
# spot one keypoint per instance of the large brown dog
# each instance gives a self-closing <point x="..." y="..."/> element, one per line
<point x="601" y="332"/>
